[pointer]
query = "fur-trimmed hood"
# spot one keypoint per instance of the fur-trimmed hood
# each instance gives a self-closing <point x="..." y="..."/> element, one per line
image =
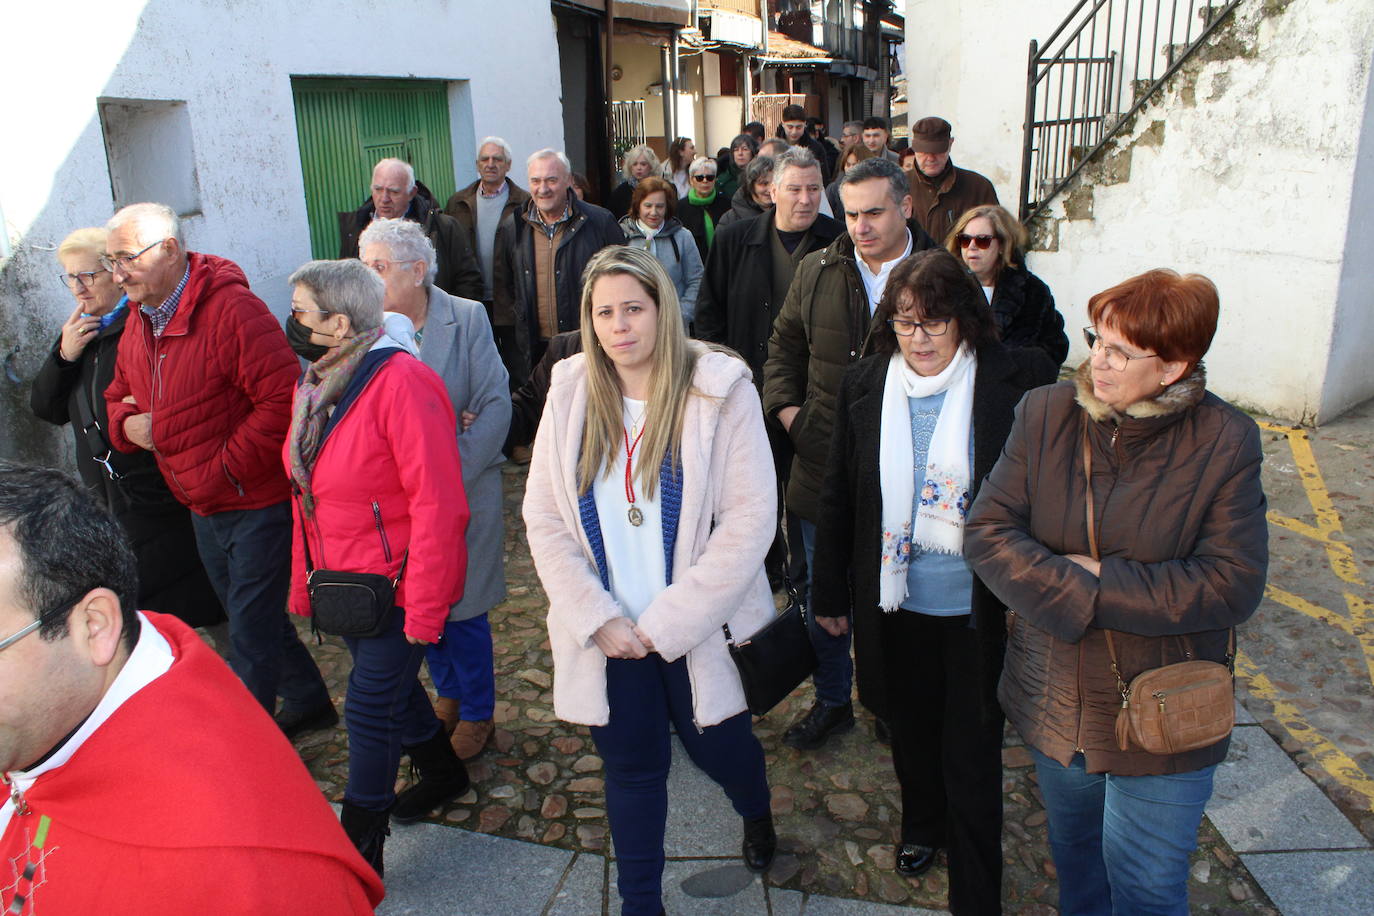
<point x="1185" y="393"/>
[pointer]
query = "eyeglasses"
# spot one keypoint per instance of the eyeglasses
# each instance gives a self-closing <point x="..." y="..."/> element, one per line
<point x="381" y="265"/>
<point x="983" y="242"/>
<point x="38" y="621"/>
<point x="296" y="311"/>
<point x="125" y="261"/>
<point x="85" y="279"/>
<point x="905" y="327"/>
<point x="703" y="177"/>
<point x="1117" y="360"/>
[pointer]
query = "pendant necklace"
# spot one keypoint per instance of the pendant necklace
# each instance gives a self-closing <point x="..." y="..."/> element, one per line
<point x="635" y="515"/>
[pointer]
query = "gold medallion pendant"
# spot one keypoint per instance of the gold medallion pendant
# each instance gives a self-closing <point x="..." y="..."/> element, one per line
<point x="636" y="517"/>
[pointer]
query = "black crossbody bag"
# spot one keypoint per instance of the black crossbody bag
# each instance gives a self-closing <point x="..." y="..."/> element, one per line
<point x="353" y="604"/>
<point x="776" y="659"/>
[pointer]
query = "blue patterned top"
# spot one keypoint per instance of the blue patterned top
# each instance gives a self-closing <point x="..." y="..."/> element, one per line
<point x="938" y="584"/>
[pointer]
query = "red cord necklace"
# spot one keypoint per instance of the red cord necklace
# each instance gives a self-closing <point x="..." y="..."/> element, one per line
<point x="635" y="515"/>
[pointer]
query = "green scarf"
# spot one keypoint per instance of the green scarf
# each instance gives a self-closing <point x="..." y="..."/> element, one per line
<point x="324" y="383"/>
<point x="704" y="201"/>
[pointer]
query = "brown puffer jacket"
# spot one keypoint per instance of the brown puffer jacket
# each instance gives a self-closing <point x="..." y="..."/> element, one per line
<point x="1184" y="547"/>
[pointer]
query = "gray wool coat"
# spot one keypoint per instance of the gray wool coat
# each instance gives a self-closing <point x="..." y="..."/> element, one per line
<point x="457" y="343"/>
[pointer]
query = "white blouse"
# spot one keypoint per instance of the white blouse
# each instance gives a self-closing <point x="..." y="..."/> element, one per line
<point x="634" y="553"/>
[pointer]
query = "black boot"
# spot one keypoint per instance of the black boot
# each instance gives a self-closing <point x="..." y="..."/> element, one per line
<point x="760" y="842"/>
<point x="368" y="830"/>
<point x="442" y="779"/>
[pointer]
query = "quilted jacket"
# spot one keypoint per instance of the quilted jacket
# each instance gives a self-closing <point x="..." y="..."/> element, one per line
<point x="218" y="384"/>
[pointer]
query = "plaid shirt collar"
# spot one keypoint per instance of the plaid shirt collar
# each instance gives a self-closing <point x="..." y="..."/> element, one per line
<point x="161" y="316"/>
<point x="533" y="218"/>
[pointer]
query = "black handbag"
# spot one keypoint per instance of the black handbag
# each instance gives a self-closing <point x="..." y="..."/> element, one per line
<point x="353" y="604"/>
<point x="776" y="659"/>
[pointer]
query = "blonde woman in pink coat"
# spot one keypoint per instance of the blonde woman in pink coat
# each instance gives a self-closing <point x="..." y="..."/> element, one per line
<point x="649" y="508"/>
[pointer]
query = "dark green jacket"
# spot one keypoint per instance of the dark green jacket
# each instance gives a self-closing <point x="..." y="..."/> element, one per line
<point x="824" y="326"/>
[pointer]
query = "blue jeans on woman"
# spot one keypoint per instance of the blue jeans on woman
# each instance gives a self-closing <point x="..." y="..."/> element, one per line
<point x="1121" y="843"/>
<point x="386" y="711"/>
<point x="462" y="667"/>
<point x="645" y="695"/>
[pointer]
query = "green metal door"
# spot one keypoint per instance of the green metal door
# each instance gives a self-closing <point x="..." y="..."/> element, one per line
<point x="345" y="126"/>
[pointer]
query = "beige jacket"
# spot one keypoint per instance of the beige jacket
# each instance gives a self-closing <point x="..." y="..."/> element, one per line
<point x="718" y="577"/>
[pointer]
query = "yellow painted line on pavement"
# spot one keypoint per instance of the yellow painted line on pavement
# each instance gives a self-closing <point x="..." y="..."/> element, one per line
<point x="1331" y="758"/>
<point x="1303" y="606"/>
<point x="1362" y="627"/>
<point x="1339" y="554"/>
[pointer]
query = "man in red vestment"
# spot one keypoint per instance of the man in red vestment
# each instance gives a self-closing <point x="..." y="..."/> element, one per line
<point x="140" y="775"/>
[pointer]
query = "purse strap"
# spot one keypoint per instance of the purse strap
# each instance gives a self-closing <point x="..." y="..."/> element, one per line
<point x="792" y="598"/>
<point x="1121" y="685"/>
<point x="310" y="564"/>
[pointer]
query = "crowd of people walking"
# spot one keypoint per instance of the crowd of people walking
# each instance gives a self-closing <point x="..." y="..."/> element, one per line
<point x="800" y="364"/>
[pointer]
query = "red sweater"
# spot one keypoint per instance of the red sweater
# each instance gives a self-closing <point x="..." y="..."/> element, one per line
<point x="188" y="799"/>
<point x="387" y="479"/>
<point x="222" y="399"/>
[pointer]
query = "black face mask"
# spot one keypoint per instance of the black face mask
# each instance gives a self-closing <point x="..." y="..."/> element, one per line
<point x="299" y="336"/>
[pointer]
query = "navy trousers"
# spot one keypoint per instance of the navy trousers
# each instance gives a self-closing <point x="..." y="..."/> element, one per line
<point x="645" y="695"/>
<point x="247" y="555"/>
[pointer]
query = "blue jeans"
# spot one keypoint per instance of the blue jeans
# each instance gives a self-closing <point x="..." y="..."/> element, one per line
<point x="247" y="555"/>
<point x="834" y="677"/>
<point x="387" y="710"/>
<point x="645" y="695"/>
<point x="1121" y="843"/>
<point x="462" y="667"/>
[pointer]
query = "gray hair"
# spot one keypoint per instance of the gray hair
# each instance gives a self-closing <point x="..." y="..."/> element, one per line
<point x="878" y="167"/>
<point x="696" y="168"/>
<point x="549" y="153"/>
<point x="497" y="141"/>
<point x="635" y="154"/>
<point x="403" y="165"/>
<point x="777" y="143"/>
<point x="349" y="288"/>
<point x="404" y="240"/>
<point x="857" y="125"/>
<point x="758" y="169"/>
<point x="152" y="223"/>
<point x="796" y="157"/>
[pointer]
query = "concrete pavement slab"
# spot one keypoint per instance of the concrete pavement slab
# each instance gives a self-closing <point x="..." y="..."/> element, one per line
<point x="583" y="891"/>
<point x="701" y="821"/>
<point x="1262" y="801"/>
<point x="838" y="906"/>
<point x="1329" y="883"/>
<point x="682" y="878"/>
<point x="433" y="870"/>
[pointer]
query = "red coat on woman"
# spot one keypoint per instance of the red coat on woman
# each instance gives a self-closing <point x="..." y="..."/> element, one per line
<point x="387" y="481"/>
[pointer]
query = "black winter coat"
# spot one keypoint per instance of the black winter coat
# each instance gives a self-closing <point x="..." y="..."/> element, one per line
<point x="742" y="208"/>
<point x="527" y="401"/>
<point x="692" y="217"/>
<point x="1026" y="317"/>
<point x="735" y="305"/>
<point x="170" y="575"/>
<point x="513" y="282"/>
<point x="849" y="532"/>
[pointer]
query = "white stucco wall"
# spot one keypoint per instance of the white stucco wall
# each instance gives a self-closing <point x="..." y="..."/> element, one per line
<point x="232" y="64"/>
<point x="978" y="84"/>
<point x="1262" y="182"/>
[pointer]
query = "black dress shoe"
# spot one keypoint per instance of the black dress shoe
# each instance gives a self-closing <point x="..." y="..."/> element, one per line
<point x="760" y="842"/>
<point x="818" y="725"/>
<point x="913" y="860"/>
<point x="882" y="731"/>
<point x="294" y="723"/>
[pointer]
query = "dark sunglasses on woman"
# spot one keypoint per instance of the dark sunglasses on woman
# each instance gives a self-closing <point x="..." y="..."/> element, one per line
<point x="982" y="241"/>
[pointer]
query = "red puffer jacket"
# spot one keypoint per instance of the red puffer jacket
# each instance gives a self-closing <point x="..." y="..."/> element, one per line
<point x="218" y="384"/>
<point x="388" y="480"/>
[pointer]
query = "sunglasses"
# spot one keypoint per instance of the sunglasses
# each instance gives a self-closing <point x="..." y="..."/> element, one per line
<point x="703" y="178"/>
<point x="983" y="242"/>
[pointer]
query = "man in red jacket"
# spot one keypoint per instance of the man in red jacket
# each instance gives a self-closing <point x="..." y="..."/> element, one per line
<point x="119" y="797"/>
<point x="203" y="380"/>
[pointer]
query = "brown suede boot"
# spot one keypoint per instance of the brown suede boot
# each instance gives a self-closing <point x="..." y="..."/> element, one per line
<point x="471" y="738"/>
<point x="446" y="710"/>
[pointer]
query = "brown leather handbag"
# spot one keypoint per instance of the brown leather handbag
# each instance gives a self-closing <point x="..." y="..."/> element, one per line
<point x="1173" y="708"/>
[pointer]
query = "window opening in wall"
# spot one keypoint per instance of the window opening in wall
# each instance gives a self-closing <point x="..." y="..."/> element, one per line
<point x="150" y="153"/>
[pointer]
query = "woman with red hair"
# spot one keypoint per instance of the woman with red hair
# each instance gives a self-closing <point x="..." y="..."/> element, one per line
<point x="1124" y="528"/>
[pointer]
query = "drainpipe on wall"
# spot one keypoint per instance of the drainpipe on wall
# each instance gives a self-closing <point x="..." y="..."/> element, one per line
<point x="665" y="64"/>
<point x="609" y="61"/>
<point x="676" y="68"/>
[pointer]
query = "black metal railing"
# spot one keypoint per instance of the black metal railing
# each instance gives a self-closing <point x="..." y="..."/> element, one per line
<point x="1106" y="60"/>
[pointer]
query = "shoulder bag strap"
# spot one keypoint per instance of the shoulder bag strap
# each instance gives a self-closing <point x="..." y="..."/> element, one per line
<point x="1090" y="516"/>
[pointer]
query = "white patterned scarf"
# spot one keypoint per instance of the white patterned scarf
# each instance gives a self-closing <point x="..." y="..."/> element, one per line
<point x="944" y="498"/>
